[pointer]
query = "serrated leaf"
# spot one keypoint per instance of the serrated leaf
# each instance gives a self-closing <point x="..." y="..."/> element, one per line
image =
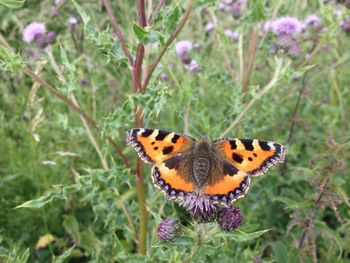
<point x="58" y="193"/>
<point x="12" y="3"/>
<point x="147" y="35"/>
<point x="62" y="258"/>
<point x="9" y="61"/>
<point x="240" y="236"/>
<point x="71" y="225"/>
<point x="171" y="20"/>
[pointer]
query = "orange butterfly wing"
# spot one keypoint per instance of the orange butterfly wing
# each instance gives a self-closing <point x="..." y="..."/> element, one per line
<point x="251" y="155"/>
<point x="231" y="187"/>
<point x="156" y="146"/>
<point x="171" y="182"/>
<point x="163" y="149"/>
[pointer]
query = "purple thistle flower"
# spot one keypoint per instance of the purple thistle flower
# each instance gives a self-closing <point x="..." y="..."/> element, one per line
<point x="73" y="23"/>
<point x="229" y="218"/>
<point x="32" y="30"/>
<point x="57" y="2"/>
<point x="233" y="35"/>
<point x="345" y="25"/>
<point x="50" y="37"/>
<point x="313" y="21"/>
<point x="169" y="229"/>
<point x="197" y="46"/>
<point x="192" y="66"/>
<point x="185" y="58"/>
<point x="286" y="26"/>
<point x="164" y="77"/>
<point x="183" y="46"/>
<point x="202" y="209"/>
<point x="209" y="27"/>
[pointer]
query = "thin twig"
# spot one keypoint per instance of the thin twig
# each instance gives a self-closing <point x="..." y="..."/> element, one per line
<point x="251" y="59"/>
<point x="156" y="11"/>
<point x="312" y="214"/>
<point x="92" y="138"/>
<point x="117" y="30"/>
<point x="70" y="103"/>
<point x="272" y="83"/>
<point x="168" y="42"/>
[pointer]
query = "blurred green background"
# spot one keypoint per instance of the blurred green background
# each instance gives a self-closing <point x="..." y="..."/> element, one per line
<point x="79" y="198"/>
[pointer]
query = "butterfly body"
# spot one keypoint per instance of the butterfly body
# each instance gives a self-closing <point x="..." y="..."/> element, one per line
<point x="219" y="170"/>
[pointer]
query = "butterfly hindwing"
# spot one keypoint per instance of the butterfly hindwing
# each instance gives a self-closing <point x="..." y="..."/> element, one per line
<point x="171" y="181"/>
<point x="250" y="155"/>
<point x="229" y="188"/>
<point x="155" y="146"/>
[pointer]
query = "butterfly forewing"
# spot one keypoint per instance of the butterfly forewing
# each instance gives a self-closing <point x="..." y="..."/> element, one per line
<point x="250" y="155"/>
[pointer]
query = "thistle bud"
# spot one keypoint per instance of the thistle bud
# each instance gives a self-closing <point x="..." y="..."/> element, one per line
<point x="229" y="218"/>
<point x="169" y="229"/>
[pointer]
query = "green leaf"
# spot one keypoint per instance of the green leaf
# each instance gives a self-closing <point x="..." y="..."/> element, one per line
<point x="58" y="193"/>
<point x="71" y="225"/>
<point x="292" y="203"/>
<point x="86" y="19"/>
<point x="257" y="8"/>
<point x="204" y="3"/>
<point x="147" y="35"/>
<point x="280" y="251"/>
<point x="244" y="237"/>
<point x="171" y="20"/>
<point x="12" y="3"/>
<point x="329" y="234"/>
<point x="62" y="258"/>
<point x="8" y="60"/>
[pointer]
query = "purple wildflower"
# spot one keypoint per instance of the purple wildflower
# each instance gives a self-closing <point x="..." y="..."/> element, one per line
<point x="286" y="26"/>
<point x="50" y="37"/>
<point x="32" y="30"/>
<point x="54" y="11"/>
<point x="200" y="208"/>
<point x="233" y="35"/>
<point x="192" y="66"/>
<point x="185" y="58"/>
<point x="313" y="21"/>
<point x="169" y="229"/>
<point x="209" y="27"/>
<point x="229" y="218"/>
<point x="345" y="25"/>
<point x="57" y="2"/>
<point x="183" y="46"/>
<point x="73" y="23"/>
<point x="197" y="46"/>
<point x="164" y="77"/>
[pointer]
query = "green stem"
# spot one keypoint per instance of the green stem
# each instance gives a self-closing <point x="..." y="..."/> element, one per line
<point x="267" y="88"/>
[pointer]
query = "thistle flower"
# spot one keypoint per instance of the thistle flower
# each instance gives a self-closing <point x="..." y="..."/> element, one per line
<point x="345" y="25"/>
<point x="286" y="26"/>
<point x="197" y="46"/>
<point x="229" y="218"/>
<point x="57" y="2"/>
<point x="202" y="209"/>
<point x="233" y="35"/>
<point x="183" y="46"/>
<point x="169" y="229"/>
<point x="32" y="30"/>
<point x="209" y="27"/>
<point x="186" y="58"/>
<point x="73" y="23"/>
<point x="313" y="21"/>
<point x="192" y="66"/>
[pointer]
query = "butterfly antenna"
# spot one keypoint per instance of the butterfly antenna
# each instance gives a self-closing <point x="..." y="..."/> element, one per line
<point x="190" y="124"/>
<point x="217" y="126"/>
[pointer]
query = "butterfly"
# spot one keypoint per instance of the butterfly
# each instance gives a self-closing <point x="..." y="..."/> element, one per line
<point x="220" y="170"/>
